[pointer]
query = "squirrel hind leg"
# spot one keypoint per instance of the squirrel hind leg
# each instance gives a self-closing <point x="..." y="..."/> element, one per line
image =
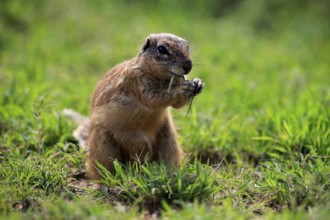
<point x="104" y="150"/>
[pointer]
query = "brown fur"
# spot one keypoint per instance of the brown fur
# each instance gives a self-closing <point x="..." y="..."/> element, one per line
<point x="130" y="119"/>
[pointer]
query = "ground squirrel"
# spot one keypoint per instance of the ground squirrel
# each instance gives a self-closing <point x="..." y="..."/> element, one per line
<point x="130" y="119"/>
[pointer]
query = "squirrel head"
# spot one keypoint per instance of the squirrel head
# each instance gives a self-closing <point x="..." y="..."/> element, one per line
<point x="166" y="55"/>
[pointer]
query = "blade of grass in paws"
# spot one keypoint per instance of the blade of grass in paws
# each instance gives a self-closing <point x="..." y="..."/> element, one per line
<point x="170" y="85"/>
<point x="190" y="104"/>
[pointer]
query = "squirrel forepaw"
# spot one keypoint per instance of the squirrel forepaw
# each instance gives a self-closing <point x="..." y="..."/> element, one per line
<point x="198" y="85"/>
<point x="192" y="88"/>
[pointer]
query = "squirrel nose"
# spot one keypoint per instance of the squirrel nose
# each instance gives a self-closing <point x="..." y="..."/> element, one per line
<point x="187" y="65"/>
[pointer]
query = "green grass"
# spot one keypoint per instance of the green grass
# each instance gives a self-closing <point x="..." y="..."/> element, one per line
<point x="148" y="185"/>
<point x="257" y="140"/>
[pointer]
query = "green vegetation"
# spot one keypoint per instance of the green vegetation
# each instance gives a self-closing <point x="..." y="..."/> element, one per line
<point x="257" y="139"/>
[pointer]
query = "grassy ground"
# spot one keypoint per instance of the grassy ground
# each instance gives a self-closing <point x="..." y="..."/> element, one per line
<point x="257" y="138"/>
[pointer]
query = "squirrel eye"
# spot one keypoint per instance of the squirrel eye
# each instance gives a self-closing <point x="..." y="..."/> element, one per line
<point x="162" y="50"/>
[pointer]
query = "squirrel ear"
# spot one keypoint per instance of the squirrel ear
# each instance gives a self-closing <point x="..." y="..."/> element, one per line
<point x="145" y="45"/>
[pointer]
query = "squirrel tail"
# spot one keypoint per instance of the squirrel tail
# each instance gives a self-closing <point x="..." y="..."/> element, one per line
<point x="81" y="133"/>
